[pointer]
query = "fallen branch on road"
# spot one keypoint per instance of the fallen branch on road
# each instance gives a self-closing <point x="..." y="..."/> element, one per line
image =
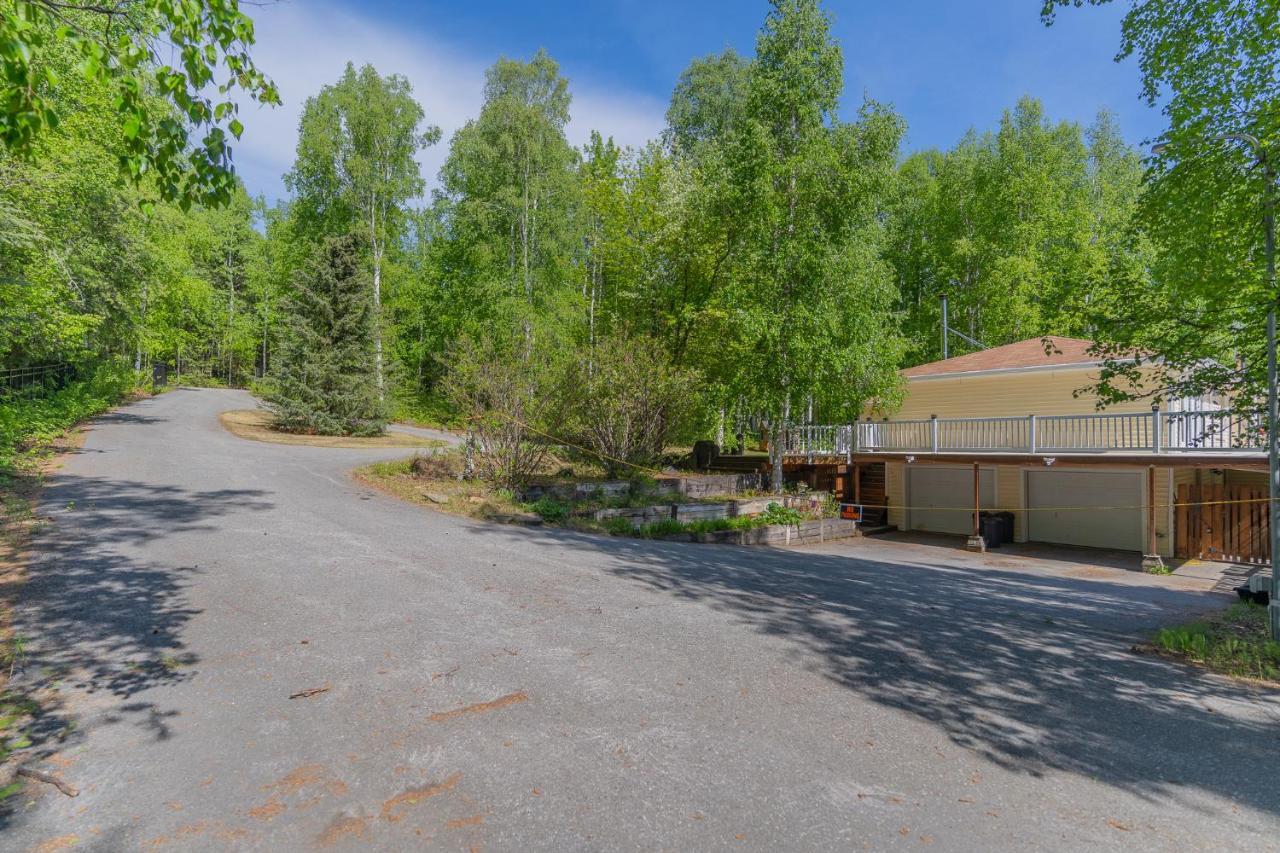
<point x="49" y="779"/>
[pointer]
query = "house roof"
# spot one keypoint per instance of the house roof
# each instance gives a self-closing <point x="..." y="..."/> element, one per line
<point x="1024" y="354"/>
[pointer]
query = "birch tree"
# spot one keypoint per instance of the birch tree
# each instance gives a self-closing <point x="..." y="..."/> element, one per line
<point x="809" y="301"/>
<point x="507" y="199"/>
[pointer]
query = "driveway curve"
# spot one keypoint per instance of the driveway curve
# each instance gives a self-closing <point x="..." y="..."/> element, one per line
<point x="242" y="648"/>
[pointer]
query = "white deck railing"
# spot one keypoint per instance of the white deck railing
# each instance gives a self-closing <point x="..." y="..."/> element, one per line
<point x="1141" y="432"/>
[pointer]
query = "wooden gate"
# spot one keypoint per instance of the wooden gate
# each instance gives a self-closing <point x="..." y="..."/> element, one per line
<point x="1225" y="523"/>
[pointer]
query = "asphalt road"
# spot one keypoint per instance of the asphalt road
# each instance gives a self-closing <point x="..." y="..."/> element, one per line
<point x="485" y="687"/>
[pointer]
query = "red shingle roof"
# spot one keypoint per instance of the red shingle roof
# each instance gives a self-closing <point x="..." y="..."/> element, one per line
<point x="1028" y="353"/>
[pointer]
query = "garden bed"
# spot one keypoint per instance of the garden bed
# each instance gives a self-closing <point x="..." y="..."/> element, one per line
<point x="618" y="507"/>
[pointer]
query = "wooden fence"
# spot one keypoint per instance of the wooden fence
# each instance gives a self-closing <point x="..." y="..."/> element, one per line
<point x="1225" y="523"/>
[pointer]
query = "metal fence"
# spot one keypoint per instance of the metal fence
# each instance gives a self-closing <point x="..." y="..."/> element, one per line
<point x="1139" y="432"/>
<point x="35" y="379"/>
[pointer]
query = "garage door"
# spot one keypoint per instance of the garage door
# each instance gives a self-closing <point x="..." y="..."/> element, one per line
<point x="1112" y="517"/>
<point x="937" y="497"/>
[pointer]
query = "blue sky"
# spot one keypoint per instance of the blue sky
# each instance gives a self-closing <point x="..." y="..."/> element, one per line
<point x="945" y="66"/>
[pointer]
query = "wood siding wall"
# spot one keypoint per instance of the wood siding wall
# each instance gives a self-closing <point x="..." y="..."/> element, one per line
<point x="1016" y="394"/>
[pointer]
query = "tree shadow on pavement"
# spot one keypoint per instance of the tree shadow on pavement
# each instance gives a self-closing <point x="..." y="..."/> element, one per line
<point x="97" y="620"/>
<point x="1034" y="673"/>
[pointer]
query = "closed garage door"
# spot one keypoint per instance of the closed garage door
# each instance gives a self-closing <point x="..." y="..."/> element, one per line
<point x="1115" y="522"/>
<point x="936" y="497"/>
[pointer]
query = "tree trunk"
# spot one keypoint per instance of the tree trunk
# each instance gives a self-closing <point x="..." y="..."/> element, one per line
<point x="266" y="315"/>
<point x="377" y="325"/>
<point x="231" y="314"/>
<point x="776" y="448"/>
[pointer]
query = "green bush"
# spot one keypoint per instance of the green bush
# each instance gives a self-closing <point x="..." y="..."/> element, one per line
<point x="429" y="410"/>
<point x="28" y="421"/>
<point x="776" y="513"/>
<point x="551" y="510"/>
<point x="627" y="402"/>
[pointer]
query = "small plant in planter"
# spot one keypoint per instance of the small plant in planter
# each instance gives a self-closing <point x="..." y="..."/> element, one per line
<point x="777" y="514"/>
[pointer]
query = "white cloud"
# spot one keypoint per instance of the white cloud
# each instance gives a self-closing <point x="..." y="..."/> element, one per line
<point x="303" y="48"/>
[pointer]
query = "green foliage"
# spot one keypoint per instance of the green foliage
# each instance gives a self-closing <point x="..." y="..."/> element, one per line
<point x="1236" y="642"/>
<point x="619" y="526"/>
<point x="506" y="202"/>
<point x="324" y="380"/>
<point x="1026" y="230"/>
<point x="709" y="102"/>
<point x="812" y="300"/>
<point x="658" y="529"/>
<point x="775" y="513"/>
<point x="628" y="403"/>
<point x="430" y="409"/>
<point x="551" y="510"/>
<point x="510" y="401"/>
<point x="30" y="421"/>
<point x="356" y="168"/>
<point x="174" y="122"/>
<point x="1213" y="67"/>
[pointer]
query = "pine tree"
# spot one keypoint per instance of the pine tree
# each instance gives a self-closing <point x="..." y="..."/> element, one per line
<point x="324" y="379"/>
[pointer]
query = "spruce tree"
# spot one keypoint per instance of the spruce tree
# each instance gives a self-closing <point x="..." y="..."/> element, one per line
<point x="324" y="379"/>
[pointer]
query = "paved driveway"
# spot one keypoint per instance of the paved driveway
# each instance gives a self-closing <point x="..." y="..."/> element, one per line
<point x="508" y="689"/>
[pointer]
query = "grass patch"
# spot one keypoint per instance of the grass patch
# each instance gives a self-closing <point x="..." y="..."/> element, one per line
<point x="1235" y="642"/>
<point x="434" y="481"/>
<point x="255" y="425"/>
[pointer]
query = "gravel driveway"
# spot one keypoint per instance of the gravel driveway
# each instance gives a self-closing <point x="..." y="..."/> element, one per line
<point x="468" y="686"/>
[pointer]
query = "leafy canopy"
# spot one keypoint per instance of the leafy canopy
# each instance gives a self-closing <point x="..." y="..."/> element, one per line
<point x="176" y="120"/>
<point x="1214" y="67"/>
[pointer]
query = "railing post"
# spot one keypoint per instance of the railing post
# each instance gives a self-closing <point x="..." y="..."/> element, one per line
<point x="1031" y="433"/>
<point x="849" y="445"/>
<point x="933" y="432"/>
<point x="1155" y="427"/>
<point x="857" y="435"/>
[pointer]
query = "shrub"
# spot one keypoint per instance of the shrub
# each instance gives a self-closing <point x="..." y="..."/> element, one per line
<point x="508" y="396"/>
<point x="36" y="419"/>
<point x="630" y="401"/>
<point x="551" y="510"/>
<point x="445" y="465"/>
<point x="776" y="513"/>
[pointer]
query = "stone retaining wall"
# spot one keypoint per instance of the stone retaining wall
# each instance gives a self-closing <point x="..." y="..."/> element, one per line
<point x="693" y="486"/>
<point x="805" y="533"/>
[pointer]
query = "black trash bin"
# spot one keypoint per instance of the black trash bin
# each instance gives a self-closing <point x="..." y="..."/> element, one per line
<point x="1006" y="526"/>
<point x="991" y="528"/>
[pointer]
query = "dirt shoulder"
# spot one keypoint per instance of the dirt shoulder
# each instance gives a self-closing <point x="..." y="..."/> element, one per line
<point x="254" y="425"/>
